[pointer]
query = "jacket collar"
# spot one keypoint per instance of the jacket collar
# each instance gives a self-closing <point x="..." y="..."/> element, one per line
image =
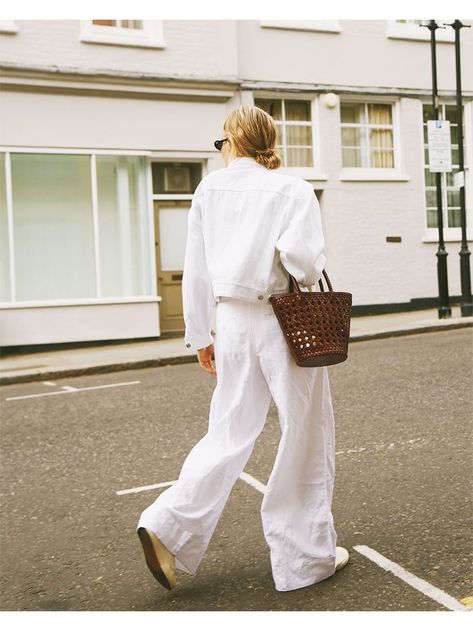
<point x="244" y="161"/>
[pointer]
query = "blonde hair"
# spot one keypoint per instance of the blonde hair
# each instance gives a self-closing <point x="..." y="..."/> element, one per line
<point x="252" y="133"/>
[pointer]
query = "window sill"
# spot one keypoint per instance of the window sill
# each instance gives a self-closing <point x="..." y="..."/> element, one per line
<point x="322" y="26"/>
<point x="151" y="36"/>
<point x="307" y="173"/>
<point x="372" y="175"/>
<point x="120" y="40"/>
<point x="450" y="235"/>
<point x="78" y="302"/>
<point x="420" y="34"/>
<point x="8" y="26"/>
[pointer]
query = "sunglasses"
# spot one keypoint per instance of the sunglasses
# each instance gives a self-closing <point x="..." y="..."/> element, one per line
<point x="218" y="144"/>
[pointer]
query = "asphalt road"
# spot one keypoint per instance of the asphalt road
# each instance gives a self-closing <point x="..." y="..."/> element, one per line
<point x="404" y="415"/>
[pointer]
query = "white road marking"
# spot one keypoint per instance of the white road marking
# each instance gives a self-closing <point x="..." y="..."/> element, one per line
<point x="380" y="446"/>
<point x="49" y="383"/>
<point x="411" y="579"/>
<point x="70" y="389"/>
<point x="138" y="489"/>
<point x="246" y="477"/>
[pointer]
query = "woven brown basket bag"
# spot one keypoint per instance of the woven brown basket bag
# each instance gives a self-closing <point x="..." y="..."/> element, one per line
<point x="316" y="324"/>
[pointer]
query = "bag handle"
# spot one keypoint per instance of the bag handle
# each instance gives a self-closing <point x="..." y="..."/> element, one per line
<point x="293" y="283"/>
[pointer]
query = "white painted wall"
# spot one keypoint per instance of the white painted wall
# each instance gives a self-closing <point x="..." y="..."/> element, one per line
<point x="93" y="104"/>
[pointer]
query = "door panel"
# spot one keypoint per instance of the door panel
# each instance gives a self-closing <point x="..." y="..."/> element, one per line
<point x="170" y="219"/>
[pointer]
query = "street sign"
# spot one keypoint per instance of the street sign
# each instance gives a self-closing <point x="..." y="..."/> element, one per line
<point x="440" y="148"/>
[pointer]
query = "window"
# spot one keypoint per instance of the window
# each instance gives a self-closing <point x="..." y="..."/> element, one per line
<point x="123" y="226"/>
<point x="412" y="29"/>
<point x="450" y="193"/>
<point x="4" y="245"/>
<point x="367" y="135"/>
<point x="324" y="26"/>
<point x="145" y="33"/>
<point x="294" y="129"/>
<point x="78" y="226"/>
<point x="120" y="23"/>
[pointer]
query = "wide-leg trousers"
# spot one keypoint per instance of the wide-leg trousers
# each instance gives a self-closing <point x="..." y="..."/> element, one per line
<point x="253" y="364"/>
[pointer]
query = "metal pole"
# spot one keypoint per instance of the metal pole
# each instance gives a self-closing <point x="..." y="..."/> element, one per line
<point x="444" y="309"/>
<point x="466" y="304"/>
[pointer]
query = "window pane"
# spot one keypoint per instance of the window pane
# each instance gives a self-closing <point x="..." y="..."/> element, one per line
<point x="172" y="232"/>
<point x="432" y="219"/>
<point x="381" y="145"/>
<point x="298" y="135"/>
<point x="4" y="249"/>
<point x="123" y="225"/>
<point x="451" y="113"/>
<point x="431" y="198"/>
<point x="137" y="24"/>
<point x="379" y="114"/>
<point x="271" y="106"/>
<point x="299" y="158"/>
<point x="427" y="113"/>
<point x="105" y="22"/>
<point x="53" y="226"/>
<point x="454" y="218"/>
<point x="297" y="110"/>
<point x="352" y="157"/>
<point x="381" y="158"/>
<point x="279" y="136"/>
<point x="453" y="197"/>
<point x="429" y="178"/>
<point x="351" y="136"/>
<point x="351" y="112"/>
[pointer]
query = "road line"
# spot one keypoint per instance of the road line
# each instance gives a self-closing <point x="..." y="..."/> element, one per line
<point x="139" y="489"/>
<point x="70" y="390"/>
<point x="411" y="579"/>
<point x="379" y="447"/>
<point x="246" y="477"/>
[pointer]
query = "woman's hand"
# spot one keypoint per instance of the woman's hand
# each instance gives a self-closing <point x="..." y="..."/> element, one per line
<point x="205" y="359"/>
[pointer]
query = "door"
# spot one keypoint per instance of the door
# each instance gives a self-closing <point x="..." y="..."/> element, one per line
<point x="170" y="219"/>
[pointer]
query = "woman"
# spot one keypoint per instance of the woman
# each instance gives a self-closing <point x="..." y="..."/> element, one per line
<point x="249" y="226"/>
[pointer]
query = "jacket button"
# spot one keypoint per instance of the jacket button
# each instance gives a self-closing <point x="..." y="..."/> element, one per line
<point x="188" y="345"/>
<point x="260" y="297"/>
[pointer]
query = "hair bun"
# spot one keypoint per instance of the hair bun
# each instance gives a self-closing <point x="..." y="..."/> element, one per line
<point x="266" y="153"/>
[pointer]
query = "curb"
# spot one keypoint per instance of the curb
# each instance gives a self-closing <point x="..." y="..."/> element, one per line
<point x="188" y="359"/>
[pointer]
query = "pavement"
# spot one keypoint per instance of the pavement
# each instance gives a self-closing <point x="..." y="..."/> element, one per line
<point x="56" y="363"/>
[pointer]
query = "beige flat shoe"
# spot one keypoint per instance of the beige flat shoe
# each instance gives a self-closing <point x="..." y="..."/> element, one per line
<point x="160" y="561"/>
<point x="342" y="557"/>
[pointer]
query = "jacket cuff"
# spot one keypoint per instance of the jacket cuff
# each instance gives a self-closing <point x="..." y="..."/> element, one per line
<point x="198" y="341"/>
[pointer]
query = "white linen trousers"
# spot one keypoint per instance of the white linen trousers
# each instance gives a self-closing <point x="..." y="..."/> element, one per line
<point x="253" y="364"/>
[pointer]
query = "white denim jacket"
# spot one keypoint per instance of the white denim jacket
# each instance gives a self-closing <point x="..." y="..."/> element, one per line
<point x="247" y="227"/>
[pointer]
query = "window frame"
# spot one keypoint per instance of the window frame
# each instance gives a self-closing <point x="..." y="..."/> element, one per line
<point x="317" y="26"/>
<point x="306" y="172"/>
<point x="400" y="30"/>
<point x="98" y="299"/>
<point x="150" y="36"/>
<point x="375" y="173"/>
<point x="431" y="234"/>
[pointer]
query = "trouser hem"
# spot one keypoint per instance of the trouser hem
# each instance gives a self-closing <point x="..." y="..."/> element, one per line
<point x="174" y="542"/>
<point x="315" y="578"/>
